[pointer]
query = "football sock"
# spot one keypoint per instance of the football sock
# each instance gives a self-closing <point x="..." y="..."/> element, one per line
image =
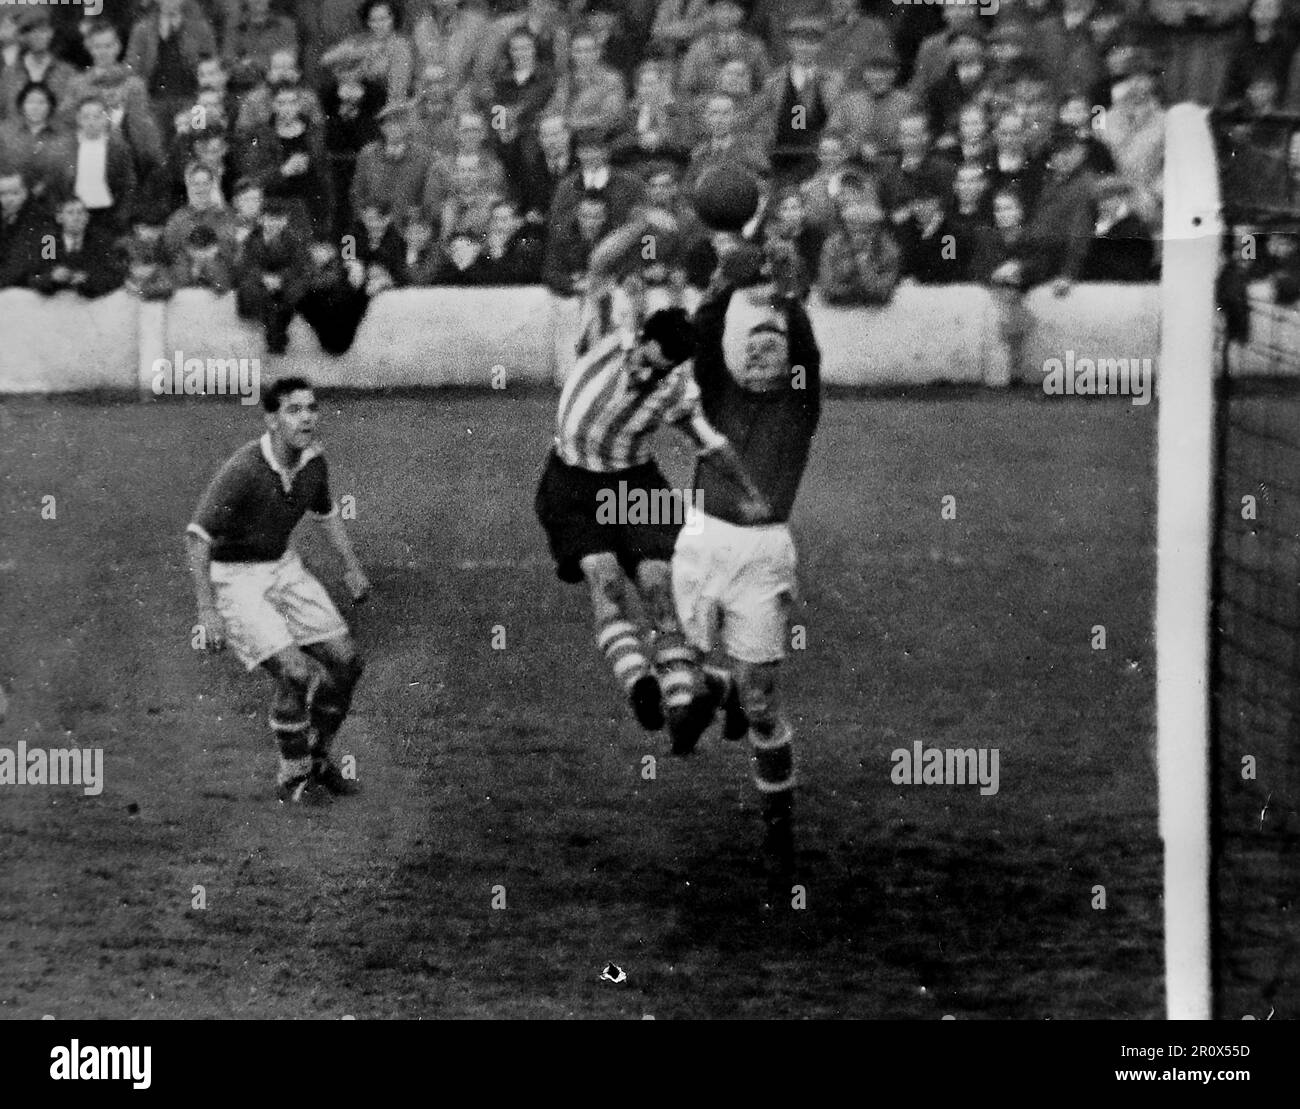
<point x="621" y="645"/>
<point x="293" y="736"/>
<point x="773" y="747"/>
<point x="677" y="668"/>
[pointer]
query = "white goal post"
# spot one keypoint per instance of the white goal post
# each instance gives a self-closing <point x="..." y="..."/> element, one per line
<point x="1192" y="238"/>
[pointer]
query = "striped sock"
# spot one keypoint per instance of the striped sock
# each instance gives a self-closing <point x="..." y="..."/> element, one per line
<point x="619" y="642"/>
<point x="773" y="762"/>
<point x="678" y="670"/>
<point x="293" y="736"/>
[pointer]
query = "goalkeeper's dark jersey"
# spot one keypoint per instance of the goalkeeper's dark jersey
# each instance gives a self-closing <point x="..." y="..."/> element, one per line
<point x="771" y="431"/>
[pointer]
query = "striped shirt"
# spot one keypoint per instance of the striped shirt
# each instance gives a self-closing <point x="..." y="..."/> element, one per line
<point x="606" y="423"/>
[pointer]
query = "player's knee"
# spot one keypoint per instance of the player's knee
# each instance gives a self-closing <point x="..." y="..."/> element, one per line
<point x="609" y="586"/>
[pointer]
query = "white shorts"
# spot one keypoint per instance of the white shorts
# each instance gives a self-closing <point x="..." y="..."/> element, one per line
<point x="736" y="581"/>
<point x="268" y="606"/>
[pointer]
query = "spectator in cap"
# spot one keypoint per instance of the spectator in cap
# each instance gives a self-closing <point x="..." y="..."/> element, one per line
<point x="288" y="159"/>
<point x="449" y="33"/>
<point x="589" y="93"/>
<point x="595" y="175"/>
<point x="869" y="114"/>
<point x="1265" y="44"/>
<point x="677" y="24"/>
<point x="1065" y="217"/>
<point x="380" y="55"/>
<point x="860" y="259"/>
<point x="934" y="56"/>
<point x="724" y="41"/>
<point x="164" y="50"/>
<point x="84" y="259"/>
<point x="252" y="36"/>
<point x="392" y="171"/>
<point x="273" y="274"/>
<point x="797" y="99"/>
<point x="33" y="141"/>
<point x="1122" y="247"/>
<point x="203" y="264"/>
<point x="35" y="63"/>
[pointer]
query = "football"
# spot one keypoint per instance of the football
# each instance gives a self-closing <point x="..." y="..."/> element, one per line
<point x="726" y="198"/>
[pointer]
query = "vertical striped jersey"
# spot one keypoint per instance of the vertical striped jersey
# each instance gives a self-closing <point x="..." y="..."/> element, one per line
<point x="605" y="422"/>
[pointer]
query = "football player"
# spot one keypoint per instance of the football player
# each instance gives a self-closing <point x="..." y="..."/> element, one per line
<point x="255" y="594"/>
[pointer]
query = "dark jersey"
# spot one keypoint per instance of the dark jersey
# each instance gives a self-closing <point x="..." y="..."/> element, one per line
<point x="252" y="506"/>
<point x="770" y="431"/>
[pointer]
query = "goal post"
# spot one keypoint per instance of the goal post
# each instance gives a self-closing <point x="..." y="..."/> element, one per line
<point x="1192" y="237"/>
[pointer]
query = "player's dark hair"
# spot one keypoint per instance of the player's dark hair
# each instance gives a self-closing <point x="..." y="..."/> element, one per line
<point x="281" y="388"/>
<point x="673" y="330"/>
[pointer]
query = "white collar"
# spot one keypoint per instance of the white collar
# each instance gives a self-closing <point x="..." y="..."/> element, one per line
<point x="286" y="476"/>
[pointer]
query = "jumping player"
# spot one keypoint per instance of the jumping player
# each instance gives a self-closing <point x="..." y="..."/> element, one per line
<point x="625" y="387"/>
<point x="255" y="594"/>
<point x="758" y="368"/>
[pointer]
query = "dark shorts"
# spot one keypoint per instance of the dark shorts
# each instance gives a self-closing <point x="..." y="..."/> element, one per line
<point x="566" y="505"/>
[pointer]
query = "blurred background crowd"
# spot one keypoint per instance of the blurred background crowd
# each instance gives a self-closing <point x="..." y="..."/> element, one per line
<point x="308" y="155"/>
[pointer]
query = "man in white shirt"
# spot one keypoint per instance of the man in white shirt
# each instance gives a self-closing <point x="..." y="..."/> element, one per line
<point x="102" y="171"/>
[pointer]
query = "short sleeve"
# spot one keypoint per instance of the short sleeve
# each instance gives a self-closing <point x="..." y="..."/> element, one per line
<point x="321" y="503"/>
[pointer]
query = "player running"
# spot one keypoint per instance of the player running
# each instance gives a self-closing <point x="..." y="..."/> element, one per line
<point x="758" y="368"/>
<point x="255" y="594"/>
<point x="625" y="386"/>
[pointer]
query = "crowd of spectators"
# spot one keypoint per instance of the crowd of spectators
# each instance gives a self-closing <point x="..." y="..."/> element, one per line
<point x="308" y="155"/>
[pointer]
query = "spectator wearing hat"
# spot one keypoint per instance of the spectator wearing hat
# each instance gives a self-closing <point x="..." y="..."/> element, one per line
<point x="1122" y="247"/>
<point x="726" y="40"/>
<point x="200" y="207"/>
<point x="797" y="100"/>
<point x="926" y="240"/>
<point x="595" y="175"/>
<point x="860" y="259"/>
<point x="1135" y="133"/>
<point x="34" y="141"/>
<point x="84" y="259"/>
<point x="380" y="55"/>
<point x="1064" y="220"/>
<point x="165" y="47"/>
<point x="870" y="113"/>
<point x="449" y="33"/>
<point x="252" y="36"/>
<point x="934" y="56"/>
<point x="203" y="264"/>
<point x="392" y="171"/>
<point x="677" y="24"/>
<point x="590" y="93"/>
<point x="254" y="103"/>
<point x="724" y="143"/>
<point x="655" y="125"/>
<point x="1197" y="36"/>
<point x="272" y="276"/>
<point x="35" y="63"/>
<point x="288" y="159"/>
<point x="1265" y="44"/>
<point x="469" y="140"/>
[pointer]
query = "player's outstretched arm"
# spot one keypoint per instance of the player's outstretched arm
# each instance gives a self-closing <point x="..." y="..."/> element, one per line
<point x="615" y="248"/>
<point x="198" y="550"/>
<point x="354" y="577"/>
